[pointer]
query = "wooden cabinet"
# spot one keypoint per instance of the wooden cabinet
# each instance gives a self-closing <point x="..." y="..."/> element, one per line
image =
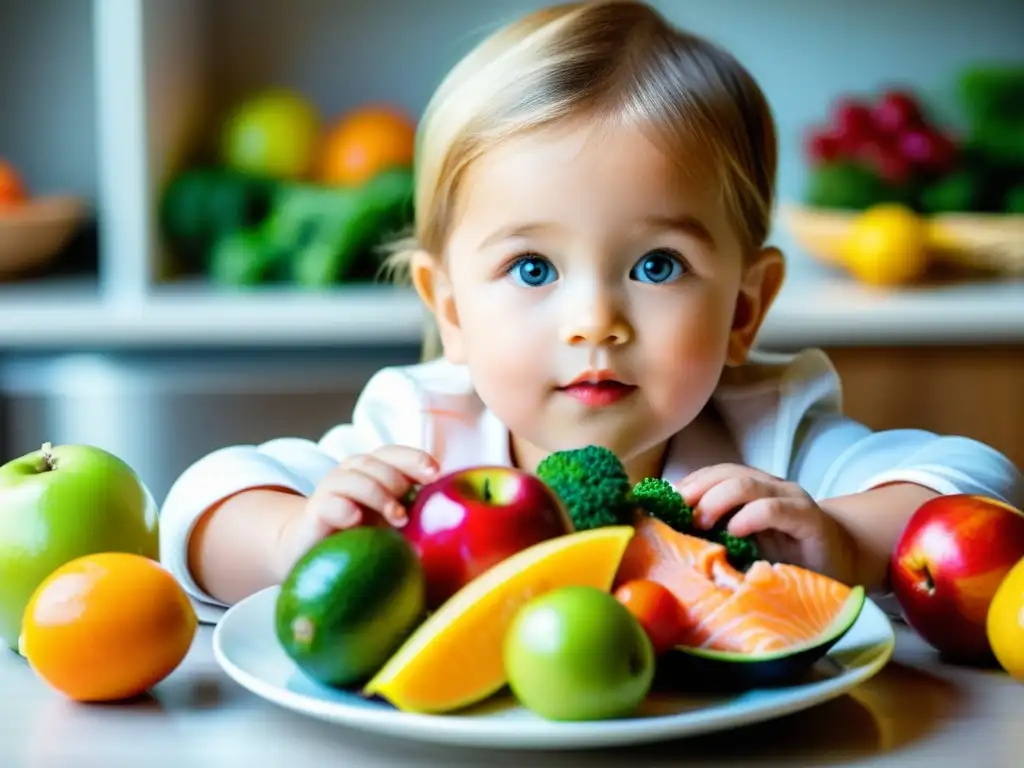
<point x="975" y="391"/>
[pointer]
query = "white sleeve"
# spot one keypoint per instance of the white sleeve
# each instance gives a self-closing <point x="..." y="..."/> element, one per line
<point x="836" y="456"/>
<point x="387" y="412"/>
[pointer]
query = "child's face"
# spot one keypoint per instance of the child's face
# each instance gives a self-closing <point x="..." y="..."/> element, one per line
<point x="580" y="249"/>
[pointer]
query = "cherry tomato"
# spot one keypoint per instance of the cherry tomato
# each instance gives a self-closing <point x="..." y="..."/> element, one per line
<point x="657" y="610"/>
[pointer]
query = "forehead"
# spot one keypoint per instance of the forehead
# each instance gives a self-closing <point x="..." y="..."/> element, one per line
<point x="586" y="173"/>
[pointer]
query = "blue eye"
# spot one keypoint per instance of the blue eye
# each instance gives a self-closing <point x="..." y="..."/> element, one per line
<point x="532" y="271"/>
<point x="659" y="266"/>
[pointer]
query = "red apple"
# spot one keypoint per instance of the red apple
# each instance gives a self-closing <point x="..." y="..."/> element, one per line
<point x="950" y="559"/>
<point x="469" y="520"/>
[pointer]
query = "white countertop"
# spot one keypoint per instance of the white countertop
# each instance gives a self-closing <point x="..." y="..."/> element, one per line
<point x="916" y="711"/>
<point x="815" y="308"/>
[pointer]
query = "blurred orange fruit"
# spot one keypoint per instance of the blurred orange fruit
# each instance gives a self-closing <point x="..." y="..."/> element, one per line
<point x="108" y="626"/>
<point x="12" y="190"/>
<point x="365" y="142"/>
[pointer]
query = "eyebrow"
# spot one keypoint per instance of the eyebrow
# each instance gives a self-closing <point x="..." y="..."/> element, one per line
<point x="684" y="223"/>
<point x="689" y="225"/>
<point x="514" y="230"/>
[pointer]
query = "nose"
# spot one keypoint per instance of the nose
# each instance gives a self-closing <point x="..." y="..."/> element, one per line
<point x="598" y="322"/>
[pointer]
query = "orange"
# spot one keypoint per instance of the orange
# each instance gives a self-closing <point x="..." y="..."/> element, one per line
<point x="12" y="189"/>
<point x="108" y="626"/>
<point x="366" y="142"/>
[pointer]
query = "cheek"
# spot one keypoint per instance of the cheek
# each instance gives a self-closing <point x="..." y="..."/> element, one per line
<point x="505" y="347"/>
<point x="687" y="350"/>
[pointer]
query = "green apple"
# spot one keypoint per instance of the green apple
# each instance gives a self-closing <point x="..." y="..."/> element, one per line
<point x="60" y="503"/>
<point x="577" y="653"/>
<point x="275" y="133"/>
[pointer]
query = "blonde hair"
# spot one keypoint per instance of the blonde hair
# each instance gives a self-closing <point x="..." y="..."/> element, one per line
<point x="607" y="59"/>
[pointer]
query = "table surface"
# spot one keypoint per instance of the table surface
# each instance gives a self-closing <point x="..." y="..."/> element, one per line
<point x="918" y="710"/>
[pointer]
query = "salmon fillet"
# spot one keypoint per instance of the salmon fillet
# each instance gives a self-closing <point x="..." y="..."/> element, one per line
<point x="770" y="607"/>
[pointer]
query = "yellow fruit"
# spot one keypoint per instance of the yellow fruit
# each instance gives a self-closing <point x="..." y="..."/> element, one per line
<point x="454" y="658"/>
<point x="1005" y="622"/>
<point x="887" y="245"/>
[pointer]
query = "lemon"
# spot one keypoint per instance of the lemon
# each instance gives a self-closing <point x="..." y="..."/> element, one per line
<point x="1005" y="622"/>
<point x="887" y="245"/>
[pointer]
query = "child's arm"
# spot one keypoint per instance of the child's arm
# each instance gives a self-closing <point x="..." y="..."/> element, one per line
<point x="234" y="549"/>
<point x="226" y="525"/>
<point x="872" y="482"/>
<point x="875" y="519"/>
<point x="252" y="539"/>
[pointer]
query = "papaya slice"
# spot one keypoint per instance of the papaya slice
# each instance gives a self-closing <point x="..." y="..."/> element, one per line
<point x="454" y="658"/>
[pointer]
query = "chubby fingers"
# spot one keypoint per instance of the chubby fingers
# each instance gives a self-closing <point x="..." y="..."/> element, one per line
<point x="729" y="495"/>
<point x="373" y="482"/>
<point x="696" y="484"/>
<point x="416" y="465"/>
<point x="793" y="516"/>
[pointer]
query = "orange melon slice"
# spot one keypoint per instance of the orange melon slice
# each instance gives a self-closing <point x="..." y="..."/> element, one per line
<point x="454" y="658"/>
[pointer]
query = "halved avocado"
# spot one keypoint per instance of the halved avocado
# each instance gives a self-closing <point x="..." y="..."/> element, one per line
<point x="698" y="669"/>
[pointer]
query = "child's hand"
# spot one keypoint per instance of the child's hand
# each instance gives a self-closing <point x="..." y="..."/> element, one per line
<point x="789" y="525"/>
<point x="361" y="486"/>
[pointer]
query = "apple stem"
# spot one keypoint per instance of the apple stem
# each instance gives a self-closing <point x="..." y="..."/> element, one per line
<point x="929" y="581"/>
<point x="48" y="457"/>
<point x="487" y="489"/>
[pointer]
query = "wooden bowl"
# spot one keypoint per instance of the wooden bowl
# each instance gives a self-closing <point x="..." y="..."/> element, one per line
<point x="34" y="232"/>
<point x="986" y="241"/>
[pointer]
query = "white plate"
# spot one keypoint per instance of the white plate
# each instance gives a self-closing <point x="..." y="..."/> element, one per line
<point x="245" y="646"/>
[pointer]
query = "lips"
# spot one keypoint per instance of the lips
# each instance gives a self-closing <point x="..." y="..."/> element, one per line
<point x="598" y="389"/>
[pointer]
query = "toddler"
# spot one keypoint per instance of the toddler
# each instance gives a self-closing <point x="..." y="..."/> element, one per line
<point x="594" y="191"/>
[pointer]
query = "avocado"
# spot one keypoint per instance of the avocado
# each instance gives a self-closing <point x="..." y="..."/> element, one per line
<point x="698" y="669"/>
<point x="349" y="603"/>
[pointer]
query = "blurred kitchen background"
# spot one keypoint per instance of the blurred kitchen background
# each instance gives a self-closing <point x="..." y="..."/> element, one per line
<point x="191" y="192"/>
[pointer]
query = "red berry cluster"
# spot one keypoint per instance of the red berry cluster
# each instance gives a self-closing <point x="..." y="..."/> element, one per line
<point x="893" y="137"/>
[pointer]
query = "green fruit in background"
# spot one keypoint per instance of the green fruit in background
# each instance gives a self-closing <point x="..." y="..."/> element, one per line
<point x="577" y="653"/>
<point x="959" y="191"/>
<point x="850" y="186"/>
<point x="61" y="503"/>
<point x="349" y="603"/>
<point x="202" y="205"/>
<point x="1014" y="201"/>
<point x="275" y="134"/>
<point x="243" y="258"/>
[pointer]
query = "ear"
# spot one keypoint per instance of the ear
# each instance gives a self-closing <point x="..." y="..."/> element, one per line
<point x="758" y="288"/>
<point x="431" y="281"/>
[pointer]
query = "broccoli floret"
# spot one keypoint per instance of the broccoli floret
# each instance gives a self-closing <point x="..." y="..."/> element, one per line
<point x="592" y="484"/>
<point x="741" y="552"/>
<point x="659" y="499"/>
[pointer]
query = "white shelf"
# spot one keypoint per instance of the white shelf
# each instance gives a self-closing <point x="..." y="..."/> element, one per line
<point x="149" y="81"/>
<point x="192" y="316"/>
<point x="814" y="309"/>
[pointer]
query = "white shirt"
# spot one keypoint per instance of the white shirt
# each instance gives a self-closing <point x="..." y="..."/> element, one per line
<point x="779" y="414"/>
